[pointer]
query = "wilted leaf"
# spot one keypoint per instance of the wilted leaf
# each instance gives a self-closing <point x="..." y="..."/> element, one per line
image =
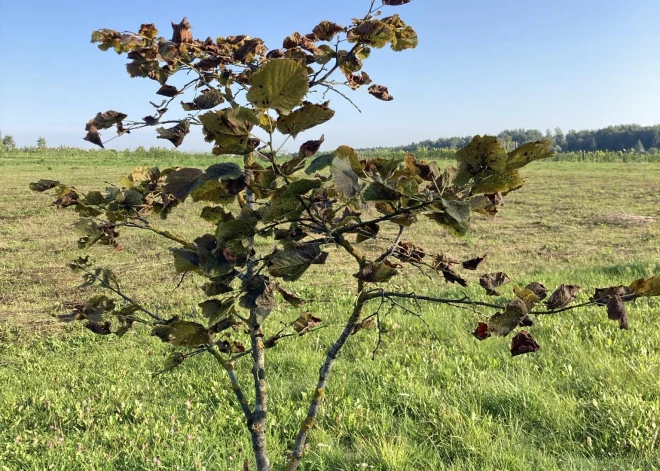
<point x="181" y="32"/>
<point x="326" y="30"/>
<point x="646" y="287"/>
<point x="562" y="297"/>
<point x="376" y="273"/>
<point x="99" y="328"/>
<point x="93" y="136"/>
<point x="490" y="282"/>
<point x="395" y="3"/>
<point x="305" y="323"/>
<point x="602" y="295"/>
<point x="310" y="148"/>
<point x="527" y="296"/>
<point x="107" y="120"/>
<point x="474" y="263"/>
<point x="357" y="80"/>
<point x="381" y="92"/>
<point x="374" y="33"/>
<point x="279" y="84"/>
<point x="209" y="98"/>
<point x="523" y="343"/>
<point x="168" y="91"/>
<point x="175" y="134"/>
<point x="290" y="297"/>
<point x="258" y="297"/>
<point x="481" y="332"/>
<point x="538" y="289"/>
<point x="380" y="192"/>
<point x="43" y="185"/>
<point x="502" y="324"/>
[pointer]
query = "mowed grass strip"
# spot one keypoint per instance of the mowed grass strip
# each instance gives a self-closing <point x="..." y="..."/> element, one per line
<point x="434" y="398"/>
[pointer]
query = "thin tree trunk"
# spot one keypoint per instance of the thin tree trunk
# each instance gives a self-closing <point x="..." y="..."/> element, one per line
<point x="324" y="374"/>
<point x="258" y="424"/>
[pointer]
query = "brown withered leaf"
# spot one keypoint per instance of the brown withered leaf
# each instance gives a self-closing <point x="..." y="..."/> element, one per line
<point x="174" y="134"/>
<point x="99" y="328"/>
<point x="181" y="32"/>
<point x="527" y="322"/>
<point x="523" y="343"/>
<point x="616" y="311"/>
<point x="562" y="297"/>
<point x="290" y="297"/>
<point x="381" y="92"/>
<point x="310" y="148"/>
<point x="406" y="251"/>
<point x="603" y="295"/>
<point x="366" y="324"/>
<point x="94" y="137"/>
<point x="105" y="120"/>
<point x="168" y="91"/>
<point x="395" y="3"/>
<point x="148" y="30"/>
<point x="357" y="80"/>
<point x="306" y="322"/>
<point x="538" y="289"/>
<point x="43" y="185"/>
<point x="376" y="273"/>
<point x="326" y="30"/>
<point x="452" y="277"/>
<point x="491" y="281"/>
<point x="474" y="263"/>
<point x="481" y="332"/>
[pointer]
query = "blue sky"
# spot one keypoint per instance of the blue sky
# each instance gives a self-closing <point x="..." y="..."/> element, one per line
<point x="482" y="66"/>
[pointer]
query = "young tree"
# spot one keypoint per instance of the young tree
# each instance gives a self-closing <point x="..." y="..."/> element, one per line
<point x="244" y="95"/>
<point x="41" y="143"/>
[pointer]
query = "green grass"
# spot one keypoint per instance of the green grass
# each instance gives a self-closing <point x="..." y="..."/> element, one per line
<point x="588" y="400"/>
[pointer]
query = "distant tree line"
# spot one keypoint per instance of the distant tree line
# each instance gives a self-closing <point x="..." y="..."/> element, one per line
<point x="626" y="137"/>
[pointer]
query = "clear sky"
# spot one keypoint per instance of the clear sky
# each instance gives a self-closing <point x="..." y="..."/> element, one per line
<point x="482" y="65"/>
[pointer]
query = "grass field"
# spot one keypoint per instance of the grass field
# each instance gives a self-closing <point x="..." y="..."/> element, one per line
<point x="589" y="400"/>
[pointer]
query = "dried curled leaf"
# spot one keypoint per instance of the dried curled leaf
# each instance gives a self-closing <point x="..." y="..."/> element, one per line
<point x="305" y="323"/>
<point x="395" y="3"/>
<point x="381" y="92"/>
<point x="523" y="343"/>
<point x="490" y="282"/>
<point x="43" y="185"/>
<point x="562" y="297"/>
<point x="175" y="134"/>
<point x="646" y="287"/>
<point x="376" y="273"/>
<point x="616" y="311"/>
<point x="474" y="263"/>
<point x="326" y="30"/>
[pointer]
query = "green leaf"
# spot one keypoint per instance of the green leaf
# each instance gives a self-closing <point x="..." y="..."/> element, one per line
<point x="180" y="183"/>
<point x="185" y="260"/>
<point x="405" y="38"/>
<point x="528" y="153"/>
<point x="456" y="216"/>
<point x="344" y="178"/>
<point x="215" y="214"/>
<point x="216" y="310"/>
<point x="182" y="334"/>
<point x="306" y="117"/>
<point x="502" y="324"/>
<point x="236" y="229"/>
<point x="300" y="187"/>
<point x="230" y="130"/>
<point x="380" y="192"/>
<point x="173" y="360"/>
<point x="290" y="263"/>
<point x="320" y="162"/>
<point x="279" y="84"/>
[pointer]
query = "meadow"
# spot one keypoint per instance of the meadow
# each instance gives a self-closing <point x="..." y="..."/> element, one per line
<point x="433" y="399"/>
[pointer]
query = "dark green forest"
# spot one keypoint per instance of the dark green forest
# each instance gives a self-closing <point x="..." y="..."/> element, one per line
<point x="625" y="137"/>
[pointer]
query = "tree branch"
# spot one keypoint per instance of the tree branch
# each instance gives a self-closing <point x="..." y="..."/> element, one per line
<point x="324" y="374"/>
